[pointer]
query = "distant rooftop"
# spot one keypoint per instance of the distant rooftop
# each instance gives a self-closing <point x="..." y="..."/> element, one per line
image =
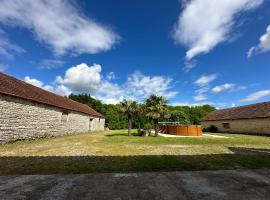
<point x="258" y="110"/>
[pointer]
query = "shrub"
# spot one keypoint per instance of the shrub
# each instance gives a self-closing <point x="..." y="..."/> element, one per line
<point x="211" y="129"/>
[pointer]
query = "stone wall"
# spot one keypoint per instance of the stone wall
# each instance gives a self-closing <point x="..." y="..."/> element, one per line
<point x="22" y="119"/>
<point x="249" y="126"/>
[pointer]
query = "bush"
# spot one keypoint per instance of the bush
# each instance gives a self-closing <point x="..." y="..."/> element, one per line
<point x="211" y="129"/>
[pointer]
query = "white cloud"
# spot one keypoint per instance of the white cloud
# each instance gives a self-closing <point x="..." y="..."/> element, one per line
<point x="50" y="64"/>
<point x="59" y="24"/>
<point x="263" y="46"/>
<point x="257" y="95"/>
<point x="220" y="88"/>
<point x="33" y="81"/>
<point x="110" y="76"/>
<point x="204" y="24"/>
<point x="82" y="78"/>
<point x="59" y="89"/>
<point x="200" y="97"/>
<point x="142" y="86"/>
<point x="203" y="82"/>
<point x="189" y="65"/>
<point x="205" y="79"/>
<point x="192" y="104"/>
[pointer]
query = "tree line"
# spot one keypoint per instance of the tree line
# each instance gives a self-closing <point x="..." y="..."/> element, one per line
<point x="155" y="109"/>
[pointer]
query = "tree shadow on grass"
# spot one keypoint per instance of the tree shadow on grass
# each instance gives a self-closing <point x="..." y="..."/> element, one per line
<point x="122" y="134"/>
<point x="241" y="158"/>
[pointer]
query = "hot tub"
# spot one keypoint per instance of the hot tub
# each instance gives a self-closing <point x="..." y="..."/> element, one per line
<point x="184" y="130"/>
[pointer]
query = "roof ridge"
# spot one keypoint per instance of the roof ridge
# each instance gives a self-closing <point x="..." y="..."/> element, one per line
<point x="248" y="105"/>
<point x="19" y="88"/>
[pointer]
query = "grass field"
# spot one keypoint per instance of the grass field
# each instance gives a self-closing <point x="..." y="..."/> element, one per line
<point x="114" y="151"/>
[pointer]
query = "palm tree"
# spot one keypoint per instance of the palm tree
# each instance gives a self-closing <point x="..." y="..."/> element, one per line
<point x="156" y="108"/>
<point x="130" y="108"/>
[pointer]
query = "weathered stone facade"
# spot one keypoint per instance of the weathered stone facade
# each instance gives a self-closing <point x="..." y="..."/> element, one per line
<point x="248" y="126"/>
<point x="22" y="119"/>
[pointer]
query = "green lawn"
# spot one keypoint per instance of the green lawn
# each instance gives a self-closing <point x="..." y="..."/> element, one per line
<point x="115" y="151"/>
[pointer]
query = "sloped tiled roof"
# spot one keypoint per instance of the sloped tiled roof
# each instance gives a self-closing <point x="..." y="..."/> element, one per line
<point x="17" y="88"/>
<point x="258" y="110"/>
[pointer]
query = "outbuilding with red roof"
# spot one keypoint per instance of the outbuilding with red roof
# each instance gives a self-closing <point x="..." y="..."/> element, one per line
<point x="29" y="112"/>
<point x="250" y="119"/>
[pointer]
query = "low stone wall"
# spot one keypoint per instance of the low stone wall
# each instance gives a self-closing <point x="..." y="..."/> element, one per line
<point x="22" y="119"/>
<point x="248" y="126"/>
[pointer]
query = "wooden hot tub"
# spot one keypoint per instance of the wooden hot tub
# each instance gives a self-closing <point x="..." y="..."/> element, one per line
<point x="184" y="130"/>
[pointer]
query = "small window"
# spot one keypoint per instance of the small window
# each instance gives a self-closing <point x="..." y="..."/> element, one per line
<point x="64" y="117"/>
<point x="226" y="125"/>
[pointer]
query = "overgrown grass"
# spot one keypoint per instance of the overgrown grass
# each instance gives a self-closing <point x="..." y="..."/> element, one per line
<point x="115" y="151"/>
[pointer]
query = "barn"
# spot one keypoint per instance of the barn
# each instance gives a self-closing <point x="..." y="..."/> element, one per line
<point x="249" y="119"/>
<point x="29" y="112"/>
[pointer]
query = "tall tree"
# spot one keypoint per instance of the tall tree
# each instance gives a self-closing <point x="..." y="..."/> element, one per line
<point x="156" y="108"/>
<point x="130" y="108"/>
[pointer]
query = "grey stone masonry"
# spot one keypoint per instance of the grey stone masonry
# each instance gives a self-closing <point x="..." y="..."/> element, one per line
<point x="24" y="120"/>
<point x="249" y="126"/>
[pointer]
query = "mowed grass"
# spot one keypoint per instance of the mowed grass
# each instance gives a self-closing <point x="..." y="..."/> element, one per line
<point x="114" y="151"/>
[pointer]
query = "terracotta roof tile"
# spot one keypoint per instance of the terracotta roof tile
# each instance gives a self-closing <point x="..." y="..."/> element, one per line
<point x="14" y="87"/>
<point x="258" y="110"/>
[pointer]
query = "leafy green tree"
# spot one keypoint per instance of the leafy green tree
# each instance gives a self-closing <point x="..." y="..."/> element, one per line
<point x="179" y="116"/>
<point x="118" y="120"/>
<point x="87" y="99"/>
<point x="130" y="108"/>
<point x="156" y="108"/>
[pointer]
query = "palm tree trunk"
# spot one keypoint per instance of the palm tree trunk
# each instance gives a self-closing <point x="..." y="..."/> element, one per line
<point x="129" y="125"/>
<point x="156" y="128"/>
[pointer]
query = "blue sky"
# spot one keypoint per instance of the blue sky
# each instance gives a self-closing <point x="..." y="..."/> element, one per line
<point x="192" y="51"/>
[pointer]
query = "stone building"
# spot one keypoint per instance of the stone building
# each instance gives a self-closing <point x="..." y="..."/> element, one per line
<point x="29" y="112"/>
<point x="250" y="119"/>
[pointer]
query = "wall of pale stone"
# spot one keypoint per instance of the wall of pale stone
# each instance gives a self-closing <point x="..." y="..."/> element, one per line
<point x="98" y="124"/>
<point x="249" y="126"/>
<point x="22" y="119"/>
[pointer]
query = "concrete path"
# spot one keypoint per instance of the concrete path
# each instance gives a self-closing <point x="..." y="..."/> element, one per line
<point x="230" y="184"/>
<point x="203" y="135"/>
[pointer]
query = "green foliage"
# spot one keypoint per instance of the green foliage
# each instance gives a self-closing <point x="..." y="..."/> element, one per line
<point x="87" y="99"/>
<point x="156" y="107"/>
<point x="118" y="120"/>
<point x="189" y="115"/>
<point x="179" y="116"/>
<point x="130" y="109"/>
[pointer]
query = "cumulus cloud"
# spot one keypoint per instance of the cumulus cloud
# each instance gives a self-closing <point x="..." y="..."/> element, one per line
<point x="220" y="88"/>
<point x="110" y="76"/>
<point x="137" y="87"/>
<point x="89" y="79"/>
<point x="142" y="86"/>
<point x="220" y="18"/>
<point x="33" y="81"/>
<point x="82" y="78"/>
<point x="59" y="24"/>
<point x="257" y="95"/>
<point x="205" y="80"/>
<point x="59" y="89"/>
<point x="263" y="46"/>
